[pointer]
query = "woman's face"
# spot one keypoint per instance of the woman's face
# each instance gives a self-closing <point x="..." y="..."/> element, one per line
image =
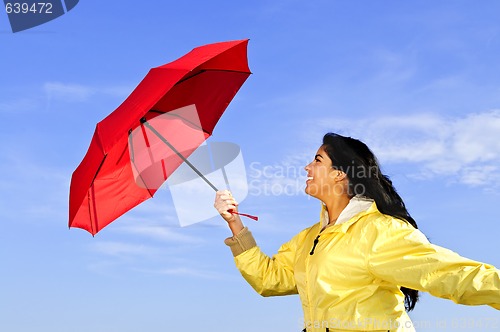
<point x="322" y="178"/>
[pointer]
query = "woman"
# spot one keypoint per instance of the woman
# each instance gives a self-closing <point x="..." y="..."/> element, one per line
<point x="361" y="267"/>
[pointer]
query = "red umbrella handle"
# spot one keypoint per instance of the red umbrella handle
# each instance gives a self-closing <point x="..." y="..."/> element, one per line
<point x="246" y="215"/>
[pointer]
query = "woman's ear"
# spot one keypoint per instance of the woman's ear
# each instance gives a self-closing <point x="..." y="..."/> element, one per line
<point x="340" y="176"/>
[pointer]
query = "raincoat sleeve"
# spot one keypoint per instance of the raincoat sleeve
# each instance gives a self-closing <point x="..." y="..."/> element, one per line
<point x="268" y="276"/>
<point x="402" y="255"/>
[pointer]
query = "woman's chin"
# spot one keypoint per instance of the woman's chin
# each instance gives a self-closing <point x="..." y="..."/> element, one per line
<point x="311" y="190"/>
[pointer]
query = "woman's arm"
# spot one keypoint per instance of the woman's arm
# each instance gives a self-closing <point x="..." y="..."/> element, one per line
<point x="402" y="255"/>
<point x="268" y="276"/>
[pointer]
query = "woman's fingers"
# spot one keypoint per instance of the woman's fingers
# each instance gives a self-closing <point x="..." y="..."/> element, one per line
<point x="225" y="197"/>
<point x="225" y="203"/>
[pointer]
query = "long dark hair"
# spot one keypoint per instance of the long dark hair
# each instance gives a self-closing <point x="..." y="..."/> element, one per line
<point x="354" y="158"/>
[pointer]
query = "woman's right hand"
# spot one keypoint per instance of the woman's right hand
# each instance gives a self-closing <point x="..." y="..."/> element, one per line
<point x="225" y="204"/>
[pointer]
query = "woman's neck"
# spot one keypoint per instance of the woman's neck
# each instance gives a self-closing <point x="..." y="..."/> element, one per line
<point x="335" y="207"/>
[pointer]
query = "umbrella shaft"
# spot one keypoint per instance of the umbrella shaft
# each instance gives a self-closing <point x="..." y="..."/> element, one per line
<point x="164" y="140"/>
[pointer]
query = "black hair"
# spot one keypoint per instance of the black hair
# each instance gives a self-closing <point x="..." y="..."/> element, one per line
<point x="354" y="158"/>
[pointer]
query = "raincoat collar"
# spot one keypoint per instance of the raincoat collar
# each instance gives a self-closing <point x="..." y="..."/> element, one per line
<point x="356" y="206"/>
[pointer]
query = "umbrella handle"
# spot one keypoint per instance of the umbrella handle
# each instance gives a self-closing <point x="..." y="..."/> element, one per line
<point x="246" y="215"/>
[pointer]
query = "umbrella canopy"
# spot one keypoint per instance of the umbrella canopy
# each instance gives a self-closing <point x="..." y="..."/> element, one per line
<point x="167" y="116"/>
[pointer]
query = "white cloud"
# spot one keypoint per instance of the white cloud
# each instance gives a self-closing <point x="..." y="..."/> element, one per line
<point x="138" y="257"/>
<point x="31" y="191"/>
<point x="158" y="232"/>
<point x="59" y="91"/>
<point x="18" y="106"/>
<point x="477" y="137"/>
<point x="68" y="92"/>
<point x="71" y="92"/>
<point x="191" y="272"/>
<point x="124" y="249"/>
<point x="480" y="175"/>
<point x="393" y="67"/>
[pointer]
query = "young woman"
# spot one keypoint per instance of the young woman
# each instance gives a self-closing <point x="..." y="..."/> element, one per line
<point x="361" y="267"/>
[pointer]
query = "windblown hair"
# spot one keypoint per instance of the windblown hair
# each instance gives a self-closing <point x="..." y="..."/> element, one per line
<point x="354" y="158"/>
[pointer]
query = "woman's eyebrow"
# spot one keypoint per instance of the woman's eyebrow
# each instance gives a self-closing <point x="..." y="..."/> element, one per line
<point x="318" y="155"/>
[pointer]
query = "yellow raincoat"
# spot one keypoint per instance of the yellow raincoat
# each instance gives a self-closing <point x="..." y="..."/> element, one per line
<point x="352" y="279"/>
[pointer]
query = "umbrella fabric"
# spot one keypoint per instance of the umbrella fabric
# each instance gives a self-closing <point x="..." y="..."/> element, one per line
<point x="126" y="162"/>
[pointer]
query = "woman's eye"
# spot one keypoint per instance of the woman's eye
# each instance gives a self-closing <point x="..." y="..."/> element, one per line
<point x="316" y="160"/>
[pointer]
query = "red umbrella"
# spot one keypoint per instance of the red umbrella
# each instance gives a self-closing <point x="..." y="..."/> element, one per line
<point x="168" y="115"/>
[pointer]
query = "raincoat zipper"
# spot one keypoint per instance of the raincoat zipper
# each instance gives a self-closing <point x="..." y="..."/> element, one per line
<point x="307" y="281"/>
<point x="316" y="240"/>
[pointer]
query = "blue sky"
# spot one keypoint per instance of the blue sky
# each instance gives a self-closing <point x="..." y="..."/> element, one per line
<point x="418" y="81"/>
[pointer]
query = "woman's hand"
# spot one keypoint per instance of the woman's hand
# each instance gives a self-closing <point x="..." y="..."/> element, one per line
<point x="225" y="204"/>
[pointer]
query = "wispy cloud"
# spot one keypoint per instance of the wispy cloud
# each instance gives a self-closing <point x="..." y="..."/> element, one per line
<point x="190" y="272"/>
<point x="68" y="92"/>
<point x="49" y="92"/>
<point x="115" y="256"/>
<point x="18" y="106"/>
<point x="31" y="191"/>
<point x="158" y="232"/>
<point x="73" y="92"/>
<point x="391" y="67"/>
<point x="122" y="249"/>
